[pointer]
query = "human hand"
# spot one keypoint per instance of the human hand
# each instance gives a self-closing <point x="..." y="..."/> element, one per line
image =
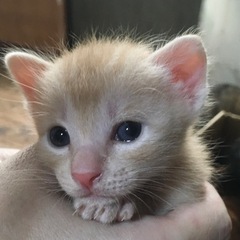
<point x="206" y="220"/>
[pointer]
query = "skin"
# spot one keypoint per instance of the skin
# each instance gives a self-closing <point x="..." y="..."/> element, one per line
<point x="45" y="216"/>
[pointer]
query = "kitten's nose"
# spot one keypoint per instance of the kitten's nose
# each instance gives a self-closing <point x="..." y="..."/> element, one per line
<point x="86" y="179"/>
<point x="86" y="166"/>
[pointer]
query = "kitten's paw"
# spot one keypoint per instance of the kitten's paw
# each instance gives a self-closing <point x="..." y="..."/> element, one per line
<point x="104" y="210"/>
<point x="126" y="212"/>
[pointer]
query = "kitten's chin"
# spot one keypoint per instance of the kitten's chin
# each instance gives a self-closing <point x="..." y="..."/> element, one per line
<point x="85" y="192"/>
<point x="78" y="193"/>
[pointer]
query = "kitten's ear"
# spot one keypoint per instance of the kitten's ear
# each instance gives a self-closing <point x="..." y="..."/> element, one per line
<point x="26" y="68"/>
<point x="185" y="60"/>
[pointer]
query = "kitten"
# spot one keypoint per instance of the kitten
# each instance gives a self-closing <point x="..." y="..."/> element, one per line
<point x="114" y="121"/>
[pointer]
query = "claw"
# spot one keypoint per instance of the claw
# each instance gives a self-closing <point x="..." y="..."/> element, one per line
<point x="105" y="210"/>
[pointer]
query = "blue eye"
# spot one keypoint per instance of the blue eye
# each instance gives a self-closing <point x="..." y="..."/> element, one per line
<point x="59" y="136"/>
<point x="128" y="131"/>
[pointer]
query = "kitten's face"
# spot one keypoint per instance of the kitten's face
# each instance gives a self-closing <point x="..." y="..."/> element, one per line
<point x="112" y="115"/>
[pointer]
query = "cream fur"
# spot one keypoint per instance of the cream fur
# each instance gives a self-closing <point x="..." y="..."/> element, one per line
<point x="31" y="210"/>
<point x="102" y="83"/>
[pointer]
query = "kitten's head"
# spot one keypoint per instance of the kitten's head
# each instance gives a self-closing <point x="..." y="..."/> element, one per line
<point x="112" y="114"/>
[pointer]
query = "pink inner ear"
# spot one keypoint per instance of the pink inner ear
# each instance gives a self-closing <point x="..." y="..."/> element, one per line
<point x="185" y="58"/>
<point x="25" y="68"/>
<point x="27" y="77"/>
<point x="192" y="72"/>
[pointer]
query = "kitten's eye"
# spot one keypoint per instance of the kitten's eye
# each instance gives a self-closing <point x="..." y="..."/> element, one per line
<point x="59" y="136"/>
<point x="128" y="131"/>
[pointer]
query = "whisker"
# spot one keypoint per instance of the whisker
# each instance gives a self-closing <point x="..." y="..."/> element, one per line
<point x="141" y="200"/>
<point x="11" y="100"/>
<point x="154" y="196"/>
<point x="7" y="77"/>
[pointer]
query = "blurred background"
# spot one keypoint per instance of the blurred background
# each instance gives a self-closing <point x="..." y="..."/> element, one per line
<point x="43" y="25"/>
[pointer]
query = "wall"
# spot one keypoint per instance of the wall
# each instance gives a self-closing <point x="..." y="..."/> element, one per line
<point x="220" y="22"/>
<point x="146" y="16"/>
<point x="28" y="23"/>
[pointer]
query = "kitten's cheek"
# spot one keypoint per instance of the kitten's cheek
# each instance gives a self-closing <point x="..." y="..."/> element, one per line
<point x="86" y="167"/>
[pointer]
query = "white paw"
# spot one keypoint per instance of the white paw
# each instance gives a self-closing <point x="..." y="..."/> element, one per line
<point x="104" y="210"/>
<point x="126" y="212"/>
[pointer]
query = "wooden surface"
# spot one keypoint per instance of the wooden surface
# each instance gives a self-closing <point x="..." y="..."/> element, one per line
<point x="32" y="23"/>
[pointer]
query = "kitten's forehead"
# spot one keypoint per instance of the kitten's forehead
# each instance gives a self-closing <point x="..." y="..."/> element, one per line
<point x="93" y="70"/>
<point x="91" y="64"/>
<point x="108" y="80"/>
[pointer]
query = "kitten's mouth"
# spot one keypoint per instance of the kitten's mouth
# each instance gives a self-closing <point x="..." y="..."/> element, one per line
<point x="85" y="192"/>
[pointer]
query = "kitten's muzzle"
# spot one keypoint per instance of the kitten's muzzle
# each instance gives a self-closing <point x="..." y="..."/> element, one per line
<point x="86" y="167"/>
<point x="86" y="179"/>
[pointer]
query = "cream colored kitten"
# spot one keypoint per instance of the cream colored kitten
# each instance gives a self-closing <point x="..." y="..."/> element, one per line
<point x="114" y="122"/>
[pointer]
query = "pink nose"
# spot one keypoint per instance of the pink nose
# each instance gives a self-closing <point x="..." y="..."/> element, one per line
<point x="86" y="179"/>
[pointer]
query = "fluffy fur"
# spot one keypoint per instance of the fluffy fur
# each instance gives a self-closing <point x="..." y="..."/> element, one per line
<point x="96" y="86"/>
